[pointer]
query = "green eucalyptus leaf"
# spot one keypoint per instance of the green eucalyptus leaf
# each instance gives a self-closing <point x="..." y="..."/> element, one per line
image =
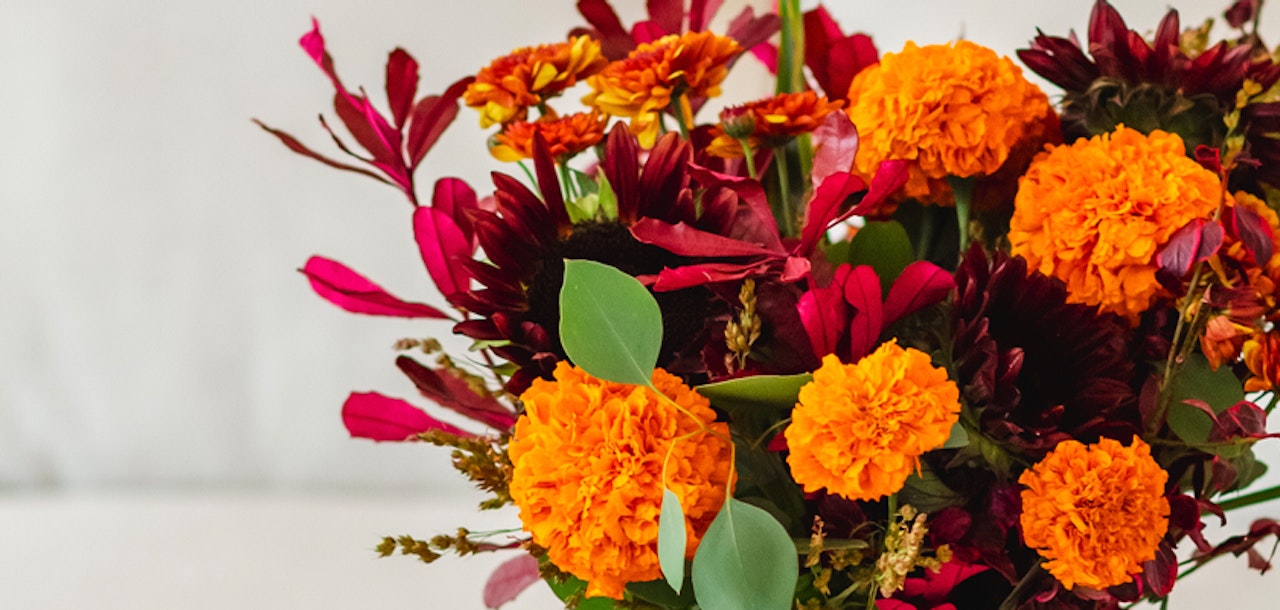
<point x="927" y="493"/>
<point x="610" y="325"/>
<point x="885" y="245"/>
<point x="1195" y="379"/>
<point x="745" y="560"/>
<point x="658" y="592"/>
<point x="959" y="437"/>
<point x="758" y="392"/>
<point x="672" y="540"/>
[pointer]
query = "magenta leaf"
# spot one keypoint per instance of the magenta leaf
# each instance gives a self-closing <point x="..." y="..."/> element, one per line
<point x="402" y="84"/>
<point x="890" y="176"/>
<point x="510" y="580"/>
<point x="667" y="15"/>
<point x="685" y="240"/>
<point x="824" y="314"/>
<point x="456" y="394"/>
<point x="431" y="115"/>
<point x="836" y="141"/>
<point x="702" y="274"/>
<point x="825" y="206"/>
<point x="920" y="285"/>
<point x="442" y="246"/>
<point x="381" y="418"/>
<point x="1253" y="232"/>
<point x="293" y="144"/>
<point x="351" y="291"/>
<point x="1162" y="571"/>
<point x="455" y="197"/>
<point x="862" y="291"/>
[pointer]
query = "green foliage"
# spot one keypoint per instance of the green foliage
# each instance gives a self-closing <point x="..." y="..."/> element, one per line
<point x="1196" y="380"/>
<point x="745" y="560"/>
<point x="756" y="403"/>
<point x="885" y="246"/>
<point x="672" y="540"/>
<point x="927" y="493"/>
<point x="610" y="325"/>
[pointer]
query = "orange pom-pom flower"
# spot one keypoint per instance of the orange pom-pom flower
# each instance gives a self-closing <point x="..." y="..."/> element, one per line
<point x="1095" y="512"/>
<point x="589" y="458"/>
<point x="859" y="429"/>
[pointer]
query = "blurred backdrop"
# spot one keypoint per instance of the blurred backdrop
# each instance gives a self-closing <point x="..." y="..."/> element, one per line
<point x="169" y="385"/>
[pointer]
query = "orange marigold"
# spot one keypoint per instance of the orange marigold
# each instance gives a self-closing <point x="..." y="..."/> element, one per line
<point x="775" y="120"/>
<point x="641" y="86"/>
<point x="954" y="110"/>
<point x="1096" y="512"/>
<point x="859" y="429"/>
<point x="566" y="136"/>
<point x="526" y="77"/>
<point x="588" y="458"/>
<point x="1095" y="213"/>
<point x="1262" y="356"/>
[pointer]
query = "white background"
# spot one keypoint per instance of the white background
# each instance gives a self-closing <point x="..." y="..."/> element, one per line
<point x="169" y="386"/>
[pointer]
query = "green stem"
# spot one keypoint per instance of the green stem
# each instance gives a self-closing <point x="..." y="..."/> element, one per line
<point x="893" y="505"/>
<point x="963" y="190"/>
<point x="1019" y="592"/>
<point x="566" y="178"/>
<point x="928" y="227"/>
<point x="791" y="48"/>
<point x="1256" y="497"/>
<point x="682" y="118"/>
<point x="750" y="157"/>
<point x="786" y="215"/>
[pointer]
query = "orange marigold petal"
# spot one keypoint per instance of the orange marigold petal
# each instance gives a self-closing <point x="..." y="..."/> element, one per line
<point x="565" y="136"/>
<point x="588" y="462"/>
<point x="529" y="76"/>
<point x="860" y="429"/>
<point x="1095" y="512"/>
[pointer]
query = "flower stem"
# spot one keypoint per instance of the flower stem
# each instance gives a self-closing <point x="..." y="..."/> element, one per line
<point x="750" y="158"/>
<point x="1019" y="592"/>
<point x="791" y="48"/>
<point x="1264" y="495"/>
<point x="963" y="190"/>
<point x="785" y="214"/>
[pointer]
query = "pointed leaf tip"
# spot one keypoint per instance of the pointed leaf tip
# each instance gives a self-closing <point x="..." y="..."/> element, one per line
<point x="672" y="540"/>
<point x="610" y="325"/>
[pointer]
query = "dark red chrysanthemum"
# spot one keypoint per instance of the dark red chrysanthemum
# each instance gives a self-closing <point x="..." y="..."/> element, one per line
<point x="527" y="238"/>
<point x="1037" y="369"/>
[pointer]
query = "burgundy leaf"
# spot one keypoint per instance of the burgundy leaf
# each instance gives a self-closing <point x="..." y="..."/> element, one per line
<point x="510" y="579"/>
<point x="1241" y="13"/>
<point x="351" y="291"/>
<point x="862" y="291"/>
<point x="355" y="115"/>
<point x="836" y="141"/>
<point x="297" y="147"/>
<point x="825" y="206"/>
<point x="601" y="17"/>
<point x="751" y="193"/>
<point x="824" y="314"/>
<point x="402" y="84"/>
<point x="381" y="418"/>
<point x="442" y="245"/>
<point x="685" y="240"/>
<point x="1253" y="232"/>
<point x="1161" y="572"/>
<point x="921" y="284"/>
<point x="455" y="197"/>
<point x="431" y="115"/>
<point x="1203" y="407"/>
<point x="845" y="59"/>
<point x="1242" y="420"/>
<point x="456" y="394"/>
<point x="750" y="30"/>
<point x="1194" y="242"/>
<point x="1209" y="158"/>
<point x="689" y="276"/>
<point x="701" y="12"/>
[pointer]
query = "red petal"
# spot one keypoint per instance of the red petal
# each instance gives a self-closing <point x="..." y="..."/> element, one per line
<point x="825" y="206"/>
<point x="351" y="291"/>
<point x="549" y="183"/>
<point x="750" y="30"/>
<point x="921" y="284"/>
<point x="706" y="273"/>
<point x="701" y="12"/>
<point x="845" y="59"/>
<point x="621" y="166"/>
<point x="685" y="240"/>
<point x="668" y="15"/>
<point x="374" y="416"/>
<point x="862" y="291"/>
<point x="402" y="84"/>
<point x="824" y="314"/>
<point x="510" y="579"/>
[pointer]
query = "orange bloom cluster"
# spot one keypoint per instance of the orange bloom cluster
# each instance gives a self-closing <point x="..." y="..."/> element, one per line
<point x="859" y="429"/>
<point x="954" y="110"/>
<point x="1252" y="296"/>
<point x="1095" y="213"/>
<point x="588" y="459"/>
<point x="565" y="136"/>
<point x="1262" y="356"/>
<point x="505" y="89"/>
<point x="773" y="121"/>
<point x="641" y="86"/>
<point x="1096" y="512"/>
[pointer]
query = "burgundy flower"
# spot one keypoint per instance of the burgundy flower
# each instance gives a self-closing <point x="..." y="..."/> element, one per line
<point x="668" y="17"/>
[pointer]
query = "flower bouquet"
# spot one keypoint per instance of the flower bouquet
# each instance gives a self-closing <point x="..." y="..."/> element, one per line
<point x="904" y="335"/>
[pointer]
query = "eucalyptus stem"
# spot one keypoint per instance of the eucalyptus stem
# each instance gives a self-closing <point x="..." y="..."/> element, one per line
<point x="786" y="214"/>
<point x="962" y="188"/>
<point x="1256" y="497"/>
<point x="750" y="158"/>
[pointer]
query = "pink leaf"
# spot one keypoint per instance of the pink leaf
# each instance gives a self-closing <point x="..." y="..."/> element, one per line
<point x="921" y="284"/>
<point x="706" y="273"/>
<point x="824" y="314"/>
<point x="825" y="206"/>
<point x="349" y="290"/>
<point x="685" y="240"/>
<point x="890" y="176"/>
<point x="402" y="84"/>
<point x="431" y="115"/>
<point x="767" y="54"/>
<point x="836" y="141"/>
<point x="442" y="246"/>
<point x="381" y="418"/>
<point x="510" y="579"/>
<point x="862" y="291"/>
<point x="455" y="197"/>
<point x="456" y="395"/>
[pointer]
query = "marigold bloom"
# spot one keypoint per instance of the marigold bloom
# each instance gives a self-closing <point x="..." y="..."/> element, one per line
<point x="1262" y="356"/>
<point x="954" y="110"/>
<point x="565" y="136"/>
<point x="1094" y="214"/>
<point x="775" y="120"/>
<point x="588" y="458"/>
<point x="529" y="76"/>
<point x="859" y="429"/>
<point x="1095" y="512"/>
<point x="641" y="86"/>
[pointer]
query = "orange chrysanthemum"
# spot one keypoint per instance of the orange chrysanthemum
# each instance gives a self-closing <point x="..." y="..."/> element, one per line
<point x="1095" y="213"/>
<point x="859" y="429"/>
<point x="1262" y="356"/>
<point x="774" y="120"/>
<point x="953" y="110"/>
<point x="1096" y="512"/>
<point x="589" y="458"/>
<point x="526" y="77"/>
<point x="641" y="86"/>
<point x="565" y="136"/>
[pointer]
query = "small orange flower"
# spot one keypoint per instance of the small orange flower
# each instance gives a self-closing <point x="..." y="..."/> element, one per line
<point x="953" y="110"/>
<point x="565" y="136"/>
<point x="859" y="429"/>
<point x="1096" y="512"/>
<point x="1095" y="214"/>
<point x="529" y="76"/>
<point x="776" y="120"/>
<point x="641" y="87"/>
<point x="589" y="459"/>
<point x="1222" y="341"/>
<point x="1262" y="356"/>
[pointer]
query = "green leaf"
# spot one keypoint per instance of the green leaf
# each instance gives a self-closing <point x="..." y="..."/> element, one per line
<point x="1195" y="379"/>
<point x="672" y="540"/>
<point x="885" y="246"/>
<point x="765" y="481"/>
<point x="583" y="209"/>
<point x="586" y="184"/>
<point x="759" y="392"/>
<point x="608" y="199"/>
<point x="959" y="437"/>
<point x="927" y="493"/>
<point x="610" y="325"/>
<point x="574" y="586"/>
<point x="745" y="560"/>
<point x="658" y="592"/>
